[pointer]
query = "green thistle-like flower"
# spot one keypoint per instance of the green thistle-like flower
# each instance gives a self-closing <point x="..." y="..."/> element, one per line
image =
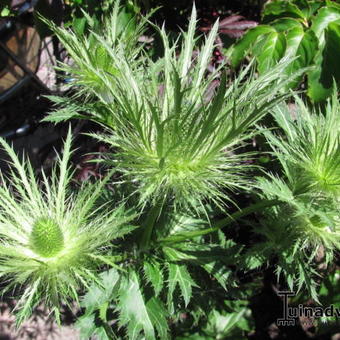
<point x="310" y="149"/>
<point x="177" y="129"/>
<point x="47" y="238"/>
<point x="309" y="152"/>
<point x="92" y="64"/>
<point x="52" y="241"/>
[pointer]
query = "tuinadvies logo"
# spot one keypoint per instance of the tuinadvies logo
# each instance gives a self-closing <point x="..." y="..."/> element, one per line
<point x="290" y="314"/>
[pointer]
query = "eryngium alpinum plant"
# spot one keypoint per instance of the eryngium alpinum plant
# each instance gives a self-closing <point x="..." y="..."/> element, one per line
<point x="177" y="129"/>
<point x="52" y="240"/>
<point x="91" y="63"/>
<point x="306" y="223"/>
<point x="309" y="153"/>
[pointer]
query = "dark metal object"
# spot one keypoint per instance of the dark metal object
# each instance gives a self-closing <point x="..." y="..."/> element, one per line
<point x="23" y="67"/>
<point x="19" y="132"/>
<point x="7" y="26"/>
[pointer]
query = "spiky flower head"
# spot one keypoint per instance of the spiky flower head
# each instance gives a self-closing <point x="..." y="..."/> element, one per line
<point x="308" y="148"/>
<point x="53" y="241"/>
<point x="305" y="225"/>
<point x="91" y="64"/>
<point x="177" y="128"/>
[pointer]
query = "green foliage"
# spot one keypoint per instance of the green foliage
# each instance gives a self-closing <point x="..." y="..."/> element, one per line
<point x="306" y="30"/>
<point x="96" y="302"/>
<point x="329" y="293"/>
<point x="137" y="313"/>
<point x="330" y="289"/>
<point x="152" y="291"/>
<point x="92" y="66"/>
<point x="232" y="323"/>
<point x="133" y="311"/>
<point x="4" y="11"/>
<point x="307" y="220"/>
<point x="5" y="8"/>
<point x="329" y="298"/>
<point x="179" y="275"/>
<point x="310" y="153"/>
<point x="154" y="275"/>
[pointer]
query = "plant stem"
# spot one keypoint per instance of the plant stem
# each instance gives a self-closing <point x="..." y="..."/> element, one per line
<point x="109" y="332"/>
<point x="221" y="223"/>
<point x="149" y="225"/>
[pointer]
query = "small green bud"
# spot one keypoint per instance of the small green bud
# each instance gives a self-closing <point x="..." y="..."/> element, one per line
<point x="46" y="237"/>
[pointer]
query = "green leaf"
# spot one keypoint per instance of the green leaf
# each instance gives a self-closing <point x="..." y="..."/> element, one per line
<point x="211" y="258"/>
<point x="202" y="253"/>
<point x="62" y="115"/>
<point x="222" y="325"/>
<point x="253" y="260"/>
<point x="179" y="275"/>
<point x="5" y="12"/>
<point x="324" y="17"/>
<point x="331" y="55"/>
<point x="79" y="24"/>
<point x="101" y="334"/>
<point x="333" y="4"/>
<point x="269" y="49"/>
<point x="220" y="272"/>
<point x="133" y="312"/>
<point x="302" y="44"/>
<point x="284" y="24"/>
<point x="100" y="293"/>
<point x="292" y="19"/>
<point x="320" y="79"/>
<point x="311" y="7"/>
<point x="215" y="226"/>
<point x="316" y="91"/>
<point x="154" y="275"/>
<point x="158" y="316"/>
<point x="229" y="323"/>
<point x="243" y="45"/>
<point x="86" y="325"/>
<point x="279" y="8"/>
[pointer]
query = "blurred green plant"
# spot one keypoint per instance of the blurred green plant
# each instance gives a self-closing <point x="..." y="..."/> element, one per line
<point x="329" y="293"/>
<point x="77" y="13"/>
<point x="5" y="12"/>
<point x="306" y="224"/>
<point x="306" y="30"/>
<point x="92" y="64"/>
<point x="233" y="322"/>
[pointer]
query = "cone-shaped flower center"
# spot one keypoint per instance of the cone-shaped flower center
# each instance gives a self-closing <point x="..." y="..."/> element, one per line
<point x="46" y="237"/>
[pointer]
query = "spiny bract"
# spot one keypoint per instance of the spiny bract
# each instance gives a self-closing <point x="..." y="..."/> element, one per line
<point x="53" y="242"/>
<point x="308" y="148"/>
